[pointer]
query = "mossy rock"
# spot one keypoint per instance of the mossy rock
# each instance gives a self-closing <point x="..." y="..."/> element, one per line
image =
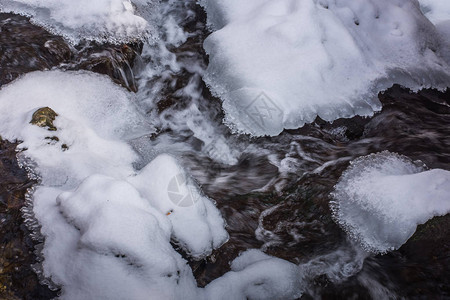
<point x="44" y="117"/>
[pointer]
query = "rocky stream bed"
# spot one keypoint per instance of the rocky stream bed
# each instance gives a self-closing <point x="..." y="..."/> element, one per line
<point x="285" y="214"/>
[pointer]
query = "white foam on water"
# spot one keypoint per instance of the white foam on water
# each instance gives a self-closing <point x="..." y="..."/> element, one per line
<point x="113" y="21"/>
<point x="381" y="198"/>
<point x="280" y="64"/>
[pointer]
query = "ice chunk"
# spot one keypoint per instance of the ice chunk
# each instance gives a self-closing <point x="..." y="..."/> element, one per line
<point x="279" y="64"/>
<point x="197" y="224"/>
<point x="381" y="198"/>
<point x="100" y="20"/>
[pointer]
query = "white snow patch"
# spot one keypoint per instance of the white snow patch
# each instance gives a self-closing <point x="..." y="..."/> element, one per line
<point x="279" y="64"/>
<point x="381" y="198"/>
<point x="101" y="20"/>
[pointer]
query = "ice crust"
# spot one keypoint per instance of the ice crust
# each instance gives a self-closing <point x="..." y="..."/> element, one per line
<point x="100" y="20"/>
<point x="381" y="198"/>
<point x="279" y="64"/>
<point x="108" y="227"/>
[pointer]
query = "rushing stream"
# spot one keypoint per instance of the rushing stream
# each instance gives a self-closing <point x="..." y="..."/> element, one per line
<point x="274" y="193"/>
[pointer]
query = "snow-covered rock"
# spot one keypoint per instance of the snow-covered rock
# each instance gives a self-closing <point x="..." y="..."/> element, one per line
<point x="255" y="275"/>
<point x="279" y="64"/>
<point x="100" y="20"/>
<point x="381" y="198"/>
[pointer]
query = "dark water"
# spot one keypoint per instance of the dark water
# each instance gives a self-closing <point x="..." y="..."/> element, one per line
<point x="297" y="220"/>
<point x="277" y="195"/>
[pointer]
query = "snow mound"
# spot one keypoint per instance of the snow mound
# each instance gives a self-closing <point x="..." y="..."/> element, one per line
<point x="381" y="198"/>
<point x="197" y="224"/>
<point x="280" y="64"/>
<point x="94" y="117"/>
<point x="118" y="244"/>
<point x="255" y="275"/>
<point x="100" y="20"/>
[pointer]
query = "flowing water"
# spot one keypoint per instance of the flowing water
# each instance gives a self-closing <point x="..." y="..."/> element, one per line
<point x="274" y="192"/>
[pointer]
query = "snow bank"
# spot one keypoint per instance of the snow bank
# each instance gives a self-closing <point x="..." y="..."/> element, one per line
<point x="279" y="64"/>
<point x="100" y="20"/>
<point x="381" y="198"/>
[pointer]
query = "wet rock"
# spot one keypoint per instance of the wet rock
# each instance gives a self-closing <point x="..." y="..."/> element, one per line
<point x="25" y="47"/>
<point x="428" y="255"/>
<point x="115" y="61"/>
<point x="17" y="279"/>
<point x="44" y="117"/>
<point x="435" y="231"/>
<point x="420" y="269"/>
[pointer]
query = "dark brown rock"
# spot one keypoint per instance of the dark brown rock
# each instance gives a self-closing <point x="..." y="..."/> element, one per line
<point x="25" y="47"/>
<point x="116" y="61"/>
